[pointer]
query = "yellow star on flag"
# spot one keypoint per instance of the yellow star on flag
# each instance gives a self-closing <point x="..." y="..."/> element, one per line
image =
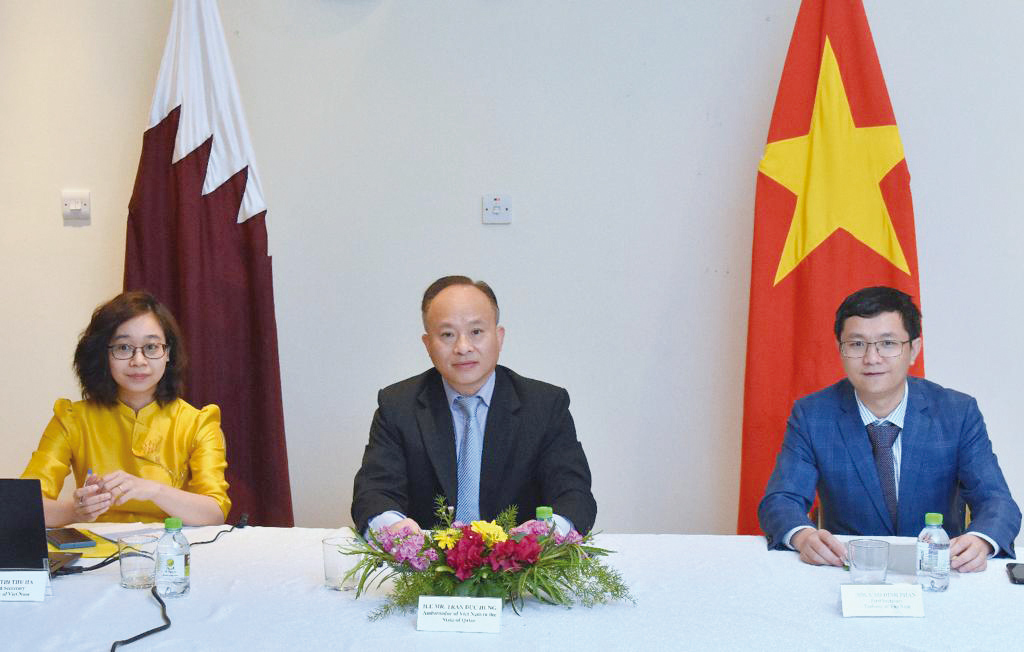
<point x="834" y="171"/>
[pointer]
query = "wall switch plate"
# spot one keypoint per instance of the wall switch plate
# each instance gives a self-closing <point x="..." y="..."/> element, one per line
<point x="76" y="206"/>
<point x="497" y="209"/>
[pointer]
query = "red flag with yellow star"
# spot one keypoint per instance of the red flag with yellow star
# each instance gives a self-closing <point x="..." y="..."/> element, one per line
<point x="832" y="214"/>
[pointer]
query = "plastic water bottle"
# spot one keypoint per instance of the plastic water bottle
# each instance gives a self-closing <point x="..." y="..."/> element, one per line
<point x="933" y="554"/>
<point x="172" y="561"/>
<point x="545" y="515"/>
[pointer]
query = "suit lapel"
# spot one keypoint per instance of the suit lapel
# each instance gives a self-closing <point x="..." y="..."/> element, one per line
<point x="500" y="434"/>
<point x="434" y="418"/>
<point x="913" y="442"/>
<point x="858" y="445"/>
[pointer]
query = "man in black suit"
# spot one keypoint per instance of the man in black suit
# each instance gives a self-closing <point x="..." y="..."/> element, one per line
<point x="506" y="439"/>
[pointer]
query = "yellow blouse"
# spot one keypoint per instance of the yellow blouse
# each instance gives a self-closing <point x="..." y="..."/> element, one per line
<point x="175" y="445"/>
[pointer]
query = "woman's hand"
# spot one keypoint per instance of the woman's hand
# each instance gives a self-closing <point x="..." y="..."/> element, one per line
<point x="100" y="493"/>
<point x="123" y="486"/>
<point x="90" y="500"/>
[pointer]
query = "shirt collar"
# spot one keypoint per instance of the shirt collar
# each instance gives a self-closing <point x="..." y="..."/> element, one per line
<point x="144" y="414"/>
<point x="485" y="391"/>
<point x="895" y="417"/>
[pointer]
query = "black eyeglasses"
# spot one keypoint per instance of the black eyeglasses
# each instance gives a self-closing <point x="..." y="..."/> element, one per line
<point x="152" y="350"/>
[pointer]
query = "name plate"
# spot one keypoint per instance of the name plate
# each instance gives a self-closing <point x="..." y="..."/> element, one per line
<point x="889" y="600"/>
<point x="23" y="586"/>
<point x="445" y="614"/>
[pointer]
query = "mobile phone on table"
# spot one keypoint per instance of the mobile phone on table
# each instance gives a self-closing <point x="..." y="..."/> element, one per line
<point x="1016" y="573"/>
<point x="66" y="538"/>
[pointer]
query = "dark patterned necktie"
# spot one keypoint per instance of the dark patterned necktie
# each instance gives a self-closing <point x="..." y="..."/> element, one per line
<point x="882" y="435"/>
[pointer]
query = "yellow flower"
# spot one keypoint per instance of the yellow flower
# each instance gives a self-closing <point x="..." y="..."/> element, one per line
<point x="490" y="531"/>
<point x="446" y="539"/>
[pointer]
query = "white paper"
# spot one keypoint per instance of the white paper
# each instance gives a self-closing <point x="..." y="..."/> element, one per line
<point x="113" y="535"/>
<point x="447" y="614"/>
<point x="888" y="600"/>
<point x="23" y="586"/>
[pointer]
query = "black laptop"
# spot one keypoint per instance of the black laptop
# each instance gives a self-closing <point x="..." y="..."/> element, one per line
<point x="22" y="526"/>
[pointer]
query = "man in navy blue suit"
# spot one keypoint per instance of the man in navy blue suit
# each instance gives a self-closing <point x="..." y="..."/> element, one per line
<point x="937" y="452"/>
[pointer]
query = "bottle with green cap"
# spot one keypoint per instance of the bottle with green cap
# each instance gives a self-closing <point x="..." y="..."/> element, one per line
<point x="933" y="554"/>
<point x="172" y="561"/>
<point x="546" y="515"/>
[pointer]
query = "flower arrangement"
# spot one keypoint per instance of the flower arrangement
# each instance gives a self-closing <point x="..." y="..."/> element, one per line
<point x="486" y="559"/>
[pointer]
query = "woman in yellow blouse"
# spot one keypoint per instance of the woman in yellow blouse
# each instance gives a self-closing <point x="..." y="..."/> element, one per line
<point x="138" y="451"/>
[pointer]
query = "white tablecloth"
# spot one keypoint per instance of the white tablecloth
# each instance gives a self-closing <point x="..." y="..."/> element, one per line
<point x="261" y="589"/>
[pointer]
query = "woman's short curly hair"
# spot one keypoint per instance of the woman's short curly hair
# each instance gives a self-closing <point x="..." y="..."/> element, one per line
<point x="92" y="357"/>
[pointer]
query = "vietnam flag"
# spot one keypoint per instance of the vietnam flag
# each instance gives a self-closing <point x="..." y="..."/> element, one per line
<point x="832" y="214"/>
<point x="197" y="239"/>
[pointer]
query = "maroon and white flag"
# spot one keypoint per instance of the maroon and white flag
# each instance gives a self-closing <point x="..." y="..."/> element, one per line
<point x="197" y="239"/>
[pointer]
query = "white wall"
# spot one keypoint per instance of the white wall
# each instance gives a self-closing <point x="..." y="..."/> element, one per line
<point x="626" y="132"/>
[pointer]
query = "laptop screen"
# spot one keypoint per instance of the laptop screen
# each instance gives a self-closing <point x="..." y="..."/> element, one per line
<point x="22" y="527"/>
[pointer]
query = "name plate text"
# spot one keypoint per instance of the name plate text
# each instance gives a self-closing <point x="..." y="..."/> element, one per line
<point x="23" y="586"/>
<point x="889" y="600"/>
<point x="447" y="614"/>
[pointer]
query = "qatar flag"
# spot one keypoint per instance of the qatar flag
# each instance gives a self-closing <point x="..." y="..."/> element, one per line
<point x="197" y="239"/>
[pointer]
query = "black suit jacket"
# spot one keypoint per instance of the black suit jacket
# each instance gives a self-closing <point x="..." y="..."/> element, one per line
<point x="530" y="457"/>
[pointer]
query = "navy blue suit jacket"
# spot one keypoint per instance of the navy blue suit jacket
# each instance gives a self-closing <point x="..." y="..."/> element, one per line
<point x="946" y="457"/>
<point x="531" y="456"/>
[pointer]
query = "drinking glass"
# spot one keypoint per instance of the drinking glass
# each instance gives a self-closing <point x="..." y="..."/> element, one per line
<point x="337" y="564"/>
<point x="869" y="559"/>
<point x="136" y="556"/>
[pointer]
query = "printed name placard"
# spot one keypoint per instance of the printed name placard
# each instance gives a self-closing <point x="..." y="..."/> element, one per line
<point x="444" y="614"/>
<point x="23" y="586"/>
<point x="899" y="600"/>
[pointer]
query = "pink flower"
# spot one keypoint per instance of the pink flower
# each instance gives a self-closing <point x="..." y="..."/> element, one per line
<point x="418" y="563"/>
<point x="532" y="526"/>
<point x="571" y="538"/>
<point x="406" y="547"/>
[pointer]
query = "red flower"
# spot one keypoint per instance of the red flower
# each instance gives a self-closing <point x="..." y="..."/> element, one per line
<point x="528" y="550"/>
<point x="466" y="556"/>
<point x="503" y="556"/>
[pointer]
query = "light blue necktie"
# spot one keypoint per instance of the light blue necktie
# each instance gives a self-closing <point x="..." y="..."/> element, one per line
<point x="467" y="506"/>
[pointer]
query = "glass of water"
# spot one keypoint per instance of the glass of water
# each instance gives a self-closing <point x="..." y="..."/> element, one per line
<point x="136" y="558"/>
<point x="337" y="564"/>
<point x="869" y="560"/>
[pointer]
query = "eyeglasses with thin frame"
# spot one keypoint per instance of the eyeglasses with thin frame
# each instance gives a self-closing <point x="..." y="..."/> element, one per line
<point x="152" y="350"/>
<point x="859" y="348"/>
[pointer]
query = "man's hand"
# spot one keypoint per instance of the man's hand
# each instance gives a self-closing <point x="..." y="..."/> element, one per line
<point x="819" y="547"/>
<point x="968" y="553"/>
<point x="405" y="522"/>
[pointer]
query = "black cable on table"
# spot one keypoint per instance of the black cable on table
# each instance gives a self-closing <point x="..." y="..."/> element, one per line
<point x="73" y="570"/>
<point x="242" y="522"/>
<point x="163" y="614"/>
<point x="110" y="559"/>
<point x="114" y="556"/>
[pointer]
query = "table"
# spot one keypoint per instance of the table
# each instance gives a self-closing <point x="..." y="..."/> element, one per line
<point x="261" y="589"/>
